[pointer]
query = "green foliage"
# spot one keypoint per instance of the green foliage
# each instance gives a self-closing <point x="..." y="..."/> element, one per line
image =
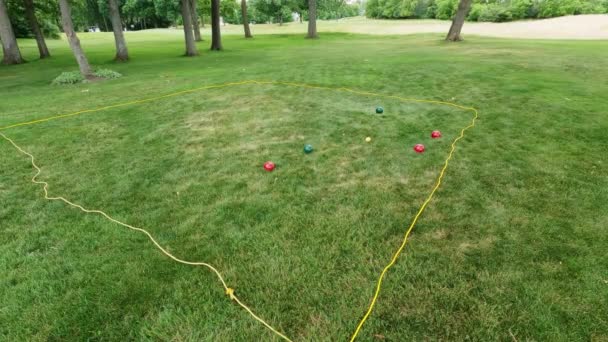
<point x="495" y="13"/>
<point x="400" y="8"/>
<point x="335" y="9"/>
<point x="555" y="8"/>
<point x="475" y="12"/>
<point x="256" y="13"/>
<point x="16" y="13"/>
<point x="143" y="14"/>
<point x="521" y="8"/>
<point x="276" y="11"/>
<point x="373" y="9"/>
<point x="107" y="74"/>
<point x="484" y="10"/>
<point x="445" y="9"/>
<point x="68" y="77"/>
<point x="49" y="29"/>
<point x="262" y="11"/>
<point x="74" y="77"/>
<point x="421" y="8"/>
<point x="46" y="12"/>
<point x="230" y="11"/>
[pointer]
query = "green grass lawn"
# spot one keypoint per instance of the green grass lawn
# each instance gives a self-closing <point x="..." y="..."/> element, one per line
<point x="514" y="245"/>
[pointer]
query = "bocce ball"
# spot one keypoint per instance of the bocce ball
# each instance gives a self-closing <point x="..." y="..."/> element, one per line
<point x="269" y="166"/>
<point x="419" y="148"/>
<point x="307" y="148"/>
<point x="368" y="139"/>
<point x="379" y="110"/>
<point x="435" y="134"/>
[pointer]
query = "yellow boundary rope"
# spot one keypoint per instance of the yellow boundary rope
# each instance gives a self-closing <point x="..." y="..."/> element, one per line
<point x="229" y="291"/>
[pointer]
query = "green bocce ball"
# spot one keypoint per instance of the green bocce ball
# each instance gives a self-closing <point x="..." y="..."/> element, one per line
<point x="379" y="110"/>
<point x="307" y="148"/>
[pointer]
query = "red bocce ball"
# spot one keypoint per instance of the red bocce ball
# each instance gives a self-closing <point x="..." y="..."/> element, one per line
<point x="269" y="166"/>
<point x="436" y="134"/>
<point x="419" y="148"/>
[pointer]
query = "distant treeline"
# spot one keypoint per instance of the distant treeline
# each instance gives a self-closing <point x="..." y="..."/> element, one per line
<point x="483" y="10"/>
<point x="282" y="11"/>
<point x="145" y="14"/>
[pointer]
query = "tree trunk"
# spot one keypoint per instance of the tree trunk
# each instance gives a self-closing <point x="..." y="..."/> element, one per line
<point x="203" y="21"/>
<point x="197" y="30"/>
<point x="31" y="17"/>
<point x="105" y="23"/>
<point x="312" y="19"/>
<point x="10" y="49"/>
<point x="461" y="14"/>
<point x="68" y="28"/>
<point x="216" y="38"/>
<point x="122" y="54"/>
<point x="245" y="19"/>
<point x="300" y="17"/>
<point x="281" y="19"/>
<point x="187" y="18"/>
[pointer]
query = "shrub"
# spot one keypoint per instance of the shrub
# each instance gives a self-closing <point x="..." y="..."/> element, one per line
<point x="446" y="9"/>
<point x="373" y="9"/>
<point x="421" y="8"/>
<point x="484" y="10"/>
<point x="49" y="29"/>
<point x="74" y="77"/>
<point x="475" y="12"/>
<point x="71" y="77"/>
<point x="408" y="8"/>
<point x="495" y="13"/>
<point x="556" y="8"/>
<point x="591" y="8"/>
<point x="520" y="9"/>
<point x="431" y="11"/>
<point x="107" y="74"/>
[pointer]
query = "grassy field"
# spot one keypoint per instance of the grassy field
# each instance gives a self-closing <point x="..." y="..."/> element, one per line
<point x="514" y="246"/>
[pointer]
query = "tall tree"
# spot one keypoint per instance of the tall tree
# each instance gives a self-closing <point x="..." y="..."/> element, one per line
<point x="187" y="18"/>
<point x="10" y="49"/>
<point x="312" y="19"/>
<point x="245" y="19"/>
<point x="216" y="38"/>
<point x="461" y="14"/>
<point x="197" y="30"/>
<point x="122" y="54"/>
<point x="30" y="13"/>
<point x="68" y="28"/>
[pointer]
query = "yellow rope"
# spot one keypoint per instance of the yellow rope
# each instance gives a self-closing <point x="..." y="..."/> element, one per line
<point x="229" y="291"/>
<point x="409" y="230"/>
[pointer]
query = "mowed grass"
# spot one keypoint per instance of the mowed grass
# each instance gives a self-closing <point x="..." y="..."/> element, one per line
<point x="513" y="245"/>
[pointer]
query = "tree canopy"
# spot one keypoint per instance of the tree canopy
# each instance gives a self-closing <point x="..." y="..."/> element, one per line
<point x="144" y="14"/>
<point x="483" y="10"/>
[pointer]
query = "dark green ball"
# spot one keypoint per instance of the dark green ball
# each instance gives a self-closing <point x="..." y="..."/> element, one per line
<point x="307" y="148"/>
<point x="379" y="110"/>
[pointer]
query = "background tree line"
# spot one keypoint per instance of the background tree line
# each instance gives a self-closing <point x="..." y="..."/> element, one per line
<point x="146" y="14"/>
<point x="281" y="11"/>
<point x="191" y="17"/>
<point x="483" y="10"/>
